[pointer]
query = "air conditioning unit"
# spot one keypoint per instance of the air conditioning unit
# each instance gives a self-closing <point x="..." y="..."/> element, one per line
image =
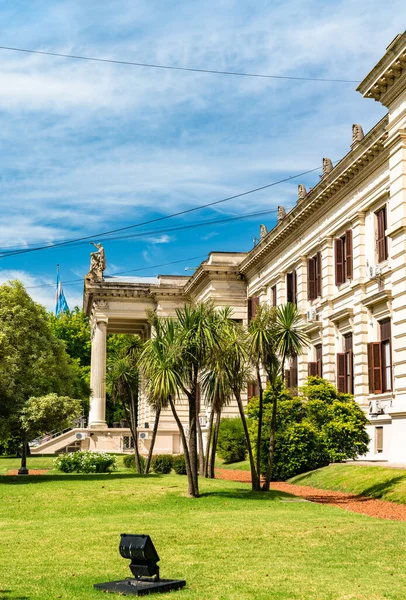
<point x="202" y="421"/>
<point x="80" y="435"/>
<point x="376" y="407"/>
<point x="374" y="271"/>
<point x="312" y="315"/>
<point x="143" y="435"/>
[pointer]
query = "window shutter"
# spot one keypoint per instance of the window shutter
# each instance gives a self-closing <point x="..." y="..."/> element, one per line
<point x="318" y="274"/>
<point x="350" y="371"/>
<point x="288" y="379"/>
<point x="341" y="373"/>
<point x="348" y="252"/>
<point x="273" y="289"/>
<point x="312" y="369"/>
<point x="250" y="390"/>
<point x="375" y="368"/>
<point x="289" y="287"/>
<point x="381" y="239"/>
<point x="311" y="279"/>
<point x="253" y="303"/>
<point x="294" y="281"/>
<point x="293" y="371"/>
<point x="339" y="260"/>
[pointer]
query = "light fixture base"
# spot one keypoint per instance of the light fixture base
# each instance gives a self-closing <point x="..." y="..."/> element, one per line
<point x="140" y="587"/>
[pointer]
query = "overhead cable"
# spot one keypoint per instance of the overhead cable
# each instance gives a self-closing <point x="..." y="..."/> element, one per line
<point x="173" y="68"/>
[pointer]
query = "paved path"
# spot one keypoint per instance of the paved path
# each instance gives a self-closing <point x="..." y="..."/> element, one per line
<point x="381" y="509"/>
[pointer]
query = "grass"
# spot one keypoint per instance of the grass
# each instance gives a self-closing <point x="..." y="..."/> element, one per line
<point x="60" y="533"/>
<point x="238" y="466"/>
<point x="374" y="482"/>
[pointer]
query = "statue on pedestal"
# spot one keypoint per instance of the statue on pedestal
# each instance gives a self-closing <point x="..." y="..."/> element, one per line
<point x="97" y="263"/>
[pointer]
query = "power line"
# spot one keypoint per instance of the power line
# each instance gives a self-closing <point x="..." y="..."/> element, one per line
<point x="25" y="250"/>
<point x="72" y="281"/>
<point x="181" y="227"/>
<point x="172" y="68"/>
<point x="213" y="222"/>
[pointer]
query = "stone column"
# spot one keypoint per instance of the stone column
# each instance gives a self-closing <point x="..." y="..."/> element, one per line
<point x="97" y="413"/>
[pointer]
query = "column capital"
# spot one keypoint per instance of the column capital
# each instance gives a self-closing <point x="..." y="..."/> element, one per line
<point x="358" y="219"/>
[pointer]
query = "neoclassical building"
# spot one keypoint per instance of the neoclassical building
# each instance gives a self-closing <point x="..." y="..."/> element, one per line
<point x="339" y="254"/>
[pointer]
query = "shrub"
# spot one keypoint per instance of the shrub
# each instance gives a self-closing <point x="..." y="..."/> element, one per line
<point x="86" y="462"/>
<point x="231" y="445"/>
<point x="162" y="463"/>
<point x="179" y="464"/>
<point x="129" y="462"/>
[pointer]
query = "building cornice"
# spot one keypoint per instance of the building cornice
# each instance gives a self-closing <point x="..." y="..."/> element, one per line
<point x="377" y="298"/>
<point x="348" y="169"/>
<point x="344" y="314"/>
<point x="387" y="78"/>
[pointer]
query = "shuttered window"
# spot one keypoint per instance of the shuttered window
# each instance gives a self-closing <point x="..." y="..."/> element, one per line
<point x="385" y="327"/>
<point x="315" y="369"/>
<point x="345" y="379"/>
<point x="252" y="389"/>
<point x="314" y="277"/>
<point x="341" y="379"/>
<point x="253" y="304"/>
<point x="311" y="279"/>
<point x="312" y="369"/>
<point x="381" y="240"/>
<point x="293" y="372"/>
<point x="318" y="274"/>
<point x="291" y="287"/>
<point x="288" y="378"/>
<point x="378" y="440"/>
<point x="375" y="368"/>
<point x="348" y="254"/>
<point x="273" y="295"/>
<point x="343" y="258"/>
<point x="380" y="361"/>
<point x="319" y="360"/>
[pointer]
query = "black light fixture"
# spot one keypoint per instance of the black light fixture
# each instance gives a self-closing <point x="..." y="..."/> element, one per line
<point x="144" y="567"/>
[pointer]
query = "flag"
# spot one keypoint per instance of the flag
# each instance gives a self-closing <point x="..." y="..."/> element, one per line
<point x="61" y="304"/>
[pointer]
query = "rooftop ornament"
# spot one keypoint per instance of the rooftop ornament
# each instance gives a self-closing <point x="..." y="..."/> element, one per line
<point x="144" y="567"/>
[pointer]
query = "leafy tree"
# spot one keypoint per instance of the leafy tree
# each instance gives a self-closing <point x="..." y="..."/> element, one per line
<point x="290" y="340"/>
<point x="233" y="359"/>
<point x="232" y="445"/>
<point x="47" y="413"/>
<point x="33" y="362"/>
<point x="73" y="328"/>
<point x="319" y="427"/>
<point x="123" y="382"/>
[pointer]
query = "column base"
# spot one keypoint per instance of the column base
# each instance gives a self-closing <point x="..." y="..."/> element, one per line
<point x="98" y="425"/>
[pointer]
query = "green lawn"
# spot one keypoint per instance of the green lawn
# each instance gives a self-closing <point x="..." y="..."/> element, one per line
<point x="60" y="534"/>
<point x="375" y="482"/>
<point x="238" y="466"/>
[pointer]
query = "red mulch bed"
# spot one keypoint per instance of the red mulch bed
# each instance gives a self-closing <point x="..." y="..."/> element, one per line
<point x="380" y="509"/>
<point x="30" y="472"/>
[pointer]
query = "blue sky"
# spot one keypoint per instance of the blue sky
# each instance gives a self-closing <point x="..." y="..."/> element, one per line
<point x="87" y="147"/>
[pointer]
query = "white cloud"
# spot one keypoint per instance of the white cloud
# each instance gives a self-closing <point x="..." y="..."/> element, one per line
<point x="41" y="289"/>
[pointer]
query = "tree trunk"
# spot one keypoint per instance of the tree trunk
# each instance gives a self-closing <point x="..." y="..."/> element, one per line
<point x="260" y="416"/>
<point x="271" y="452"/>
<point x="272" y="435"/>
<point x="201" y="447"/>
<point x="254" y="476"/>
<point x="23" y="468"/>
<point x="134" y="433"/>
<point x="208" y="443"/>
<point x="153" y="438"/>
<point x="193" y="437"/>
<point x="191" y="489"/>
<point x="214" y="445"/>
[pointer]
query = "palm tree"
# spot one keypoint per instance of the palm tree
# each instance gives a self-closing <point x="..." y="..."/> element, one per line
<point x="161" y="364"/>
<point x="263" y="355"/>
<point x="234" y="360"/>
<point x="290" y="340"/>
<point x="196" y="329"/>
<point x="123" y="381"/>
<point x="218" y="394"/>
